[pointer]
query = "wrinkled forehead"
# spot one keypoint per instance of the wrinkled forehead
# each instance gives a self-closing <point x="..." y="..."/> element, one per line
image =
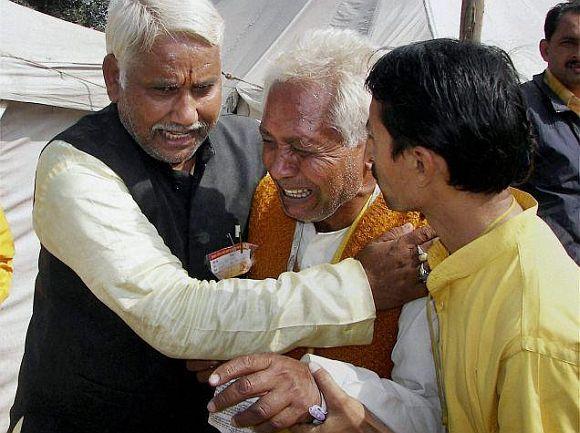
<point x="173" y="48"/>
<point x="306" y="100"/>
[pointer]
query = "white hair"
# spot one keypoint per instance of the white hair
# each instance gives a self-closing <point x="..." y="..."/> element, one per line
<point x="339" y="60"/>
<point x="134" y="25"/>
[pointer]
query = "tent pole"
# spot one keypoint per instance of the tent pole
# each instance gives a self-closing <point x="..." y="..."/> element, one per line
<point x="471" y="20"/>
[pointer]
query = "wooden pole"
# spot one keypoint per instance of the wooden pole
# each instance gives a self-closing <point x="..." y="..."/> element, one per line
<point x="471" y="20"/>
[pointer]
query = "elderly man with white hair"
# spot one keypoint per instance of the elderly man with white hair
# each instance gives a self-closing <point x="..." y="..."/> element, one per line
<point x="320" y="204"/>
<point x="128" y="203"/>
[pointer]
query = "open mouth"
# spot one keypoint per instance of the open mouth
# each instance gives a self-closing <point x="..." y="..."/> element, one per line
<point x="575" y="66"/>
<point x="297" y="193"/>
<point x="173" y="135"/>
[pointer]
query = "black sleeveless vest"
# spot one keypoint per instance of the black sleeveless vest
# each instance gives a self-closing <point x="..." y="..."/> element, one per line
<point x="83" y="369"/>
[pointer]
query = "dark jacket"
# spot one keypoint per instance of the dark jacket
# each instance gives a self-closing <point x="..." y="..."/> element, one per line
<point x="555" y="180"/>
<point x="84" y="370"/>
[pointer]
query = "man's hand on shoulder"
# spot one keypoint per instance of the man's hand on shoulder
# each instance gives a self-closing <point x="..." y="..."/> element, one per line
<point x="391" y="262"/>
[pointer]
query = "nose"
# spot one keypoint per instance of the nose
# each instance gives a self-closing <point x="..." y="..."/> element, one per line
<point x="281" y="163"/>
<point x="185" y="109"/>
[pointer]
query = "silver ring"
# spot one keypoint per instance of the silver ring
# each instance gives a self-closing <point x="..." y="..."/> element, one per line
<point x="318" y="414"/>
<point x="421" y="254"/>
<point x="423" y="272"/>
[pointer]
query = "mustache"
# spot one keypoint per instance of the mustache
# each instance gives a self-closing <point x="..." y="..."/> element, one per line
<point x="572" y="63"/>
<point x="182" y="129"/>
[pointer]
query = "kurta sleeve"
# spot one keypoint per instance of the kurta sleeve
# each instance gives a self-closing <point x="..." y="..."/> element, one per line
<point x="85" y="216"/>
<point x="6" y="256"/>
<point x="538" y="394"/>
<point x="409" y="403"/>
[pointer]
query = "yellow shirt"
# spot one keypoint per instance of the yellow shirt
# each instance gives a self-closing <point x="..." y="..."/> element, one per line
<point x="509" y="312"/>
<point x="571" y="100"/>
<point x="6" y="255"/>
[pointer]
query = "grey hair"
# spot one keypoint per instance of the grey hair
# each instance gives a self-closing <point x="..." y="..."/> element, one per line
<point x="339" y="60"/>
<point x="133" y="25"/>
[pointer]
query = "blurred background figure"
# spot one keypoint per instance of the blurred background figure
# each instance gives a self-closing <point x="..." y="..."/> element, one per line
<point x="553" y="99"/>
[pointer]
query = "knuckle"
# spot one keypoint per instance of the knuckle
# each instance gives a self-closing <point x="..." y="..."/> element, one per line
<point x="244" y="386"/>
<point x="261" y="410"/>
<point x="246" y="361"/>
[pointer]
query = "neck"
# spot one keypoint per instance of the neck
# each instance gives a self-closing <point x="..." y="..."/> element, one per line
<point x="346" y="214"/>
<point x="463" y="216"/>
<point x="185" y="166"/>
<point x="574" y="89"/>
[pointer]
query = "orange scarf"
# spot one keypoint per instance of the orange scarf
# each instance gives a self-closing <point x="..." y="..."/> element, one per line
<point x="272" y="230"/>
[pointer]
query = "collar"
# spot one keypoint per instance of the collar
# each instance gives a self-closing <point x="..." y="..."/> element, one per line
<point x="561" y="97"/>
<point x="482" y="250"/>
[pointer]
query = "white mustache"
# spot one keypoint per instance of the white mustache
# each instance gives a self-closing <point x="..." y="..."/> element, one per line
<point x="181" y="129"/>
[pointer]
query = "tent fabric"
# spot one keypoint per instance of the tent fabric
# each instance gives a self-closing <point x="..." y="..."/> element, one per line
<point x="24" y="132"/>
<point x="514" y="25"/>
<point x="49" y="61"/>
<point x="50" y="75"/>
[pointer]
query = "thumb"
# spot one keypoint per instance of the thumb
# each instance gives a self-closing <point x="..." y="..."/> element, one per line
<point x="326" y="384"/>
<point x="420" y="236"/>
<point x="396" y="232"/>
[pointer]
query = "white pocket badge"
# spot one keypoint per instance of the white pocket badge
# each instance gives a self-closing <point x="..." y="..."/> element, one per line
<point x="232" y="261"/>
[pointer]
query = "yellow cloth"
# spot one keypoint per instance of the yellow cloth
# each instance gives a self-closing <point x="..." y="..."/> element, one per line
<point x="509" y="313"/>
<point x="6" y="255"/>
<point x="571" y="100"/>
<point x="272" y="230"/>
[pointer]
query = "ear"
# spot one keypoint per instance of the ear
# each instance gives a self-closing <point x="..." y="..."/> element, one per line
<point x="544" y="48"/>
<point x="424" y="163"/>
<point x="111" y="73"/>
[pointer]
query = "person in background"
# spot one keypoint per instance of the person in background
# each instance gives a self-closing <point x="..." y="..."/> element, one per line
<point x="448" y="135"/>
<point x="553" y="99"/>
<point x="6" y="257"/>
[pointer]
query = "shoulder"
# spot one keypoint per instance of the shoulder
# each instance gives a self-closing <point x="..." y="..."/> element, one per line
<point x="266" y="203"/>
<point x="384" y="218"/>
<point x="238" y="129"/>
<point x="550" y="294"/>
<point x="537" y="96"/>
<point x="237" y="145"/>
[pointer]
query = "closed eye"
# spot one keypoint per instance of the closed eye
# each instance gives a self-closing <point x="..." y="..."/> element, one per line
<point x="165" y="89"/>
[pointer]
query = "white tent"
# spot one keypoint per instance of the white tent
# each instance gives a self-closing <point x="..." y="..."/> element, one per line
<point x="263" y="28"/>
<point x="50" y="76"/>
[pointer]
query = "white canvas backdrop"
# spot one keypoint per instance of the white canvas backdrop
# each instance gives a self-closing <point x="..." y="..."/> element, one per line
<point x="514" y="25"/>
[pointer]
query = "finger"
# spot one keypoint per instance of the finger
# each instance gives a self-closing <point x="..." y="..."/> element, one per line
<point x="420" y="235"/>
<point x="240" y="366"/>
<point x="328" y="387"/>
<point x="199" y="365"/>
<point x="283" y="420"/>
<point x="244" y="388"/>
<point x="428" y="244"/>
<point x="395" y="233"/>
<point x="262" y="411"/>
